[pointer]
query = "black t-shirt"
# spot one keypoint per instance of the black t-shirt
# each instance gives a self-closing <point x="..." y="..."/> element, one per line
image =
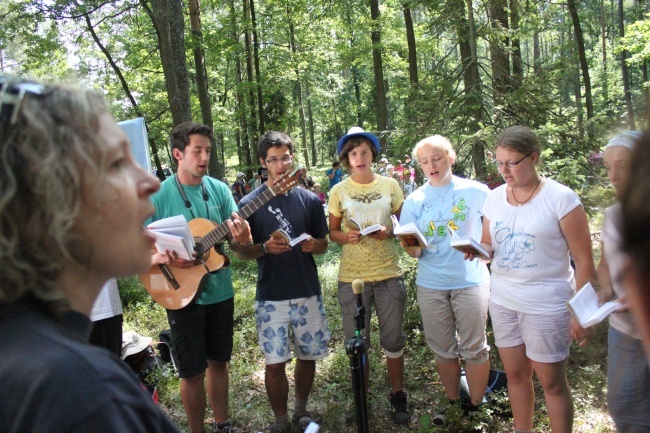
<point x="293" y="274"/>
<point x="52" y="380"/>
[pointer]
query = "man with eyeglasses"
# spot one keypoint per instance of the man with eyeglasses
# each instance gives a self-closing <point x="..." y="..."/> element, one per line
<point x="288" y="300"/>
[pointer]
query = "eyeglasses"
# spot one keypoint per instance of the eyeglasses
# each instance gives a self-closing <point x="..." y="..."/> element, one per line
<point x="12" y="94"/>
<point x="284" y="160"/>
<point x="510" y="164"/>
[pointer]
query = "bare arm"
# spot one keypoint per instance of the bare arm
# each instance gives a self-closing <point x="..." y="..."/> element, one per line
<point x="575" y="229"/>
<point x="339" y="236"/>
<point x="606" y="292"/>
<point x="486" y="240"/>
<point x="314" y="245"/>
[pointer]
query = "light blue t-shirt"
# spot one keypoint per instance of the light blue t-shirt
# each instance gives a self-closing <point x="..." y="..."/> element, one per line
<point x="218" y="208"/>
<point x="458" y="205"/>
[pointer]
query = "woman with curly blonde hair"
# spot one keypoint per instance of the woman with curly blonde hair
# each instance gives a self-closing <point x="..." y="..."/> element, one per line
<point x="72" y="205"/>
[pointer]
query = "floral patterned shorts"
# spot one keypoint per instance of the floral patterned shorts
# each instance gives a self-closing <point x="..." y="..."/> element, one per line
<point x="303" y="319"/>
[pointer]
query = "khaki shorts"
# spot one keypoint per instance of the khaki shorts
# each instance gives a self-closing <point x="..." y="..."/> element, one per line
<point x="389" y="300"/>
<point x="547" y="337"/>
<point x="454" y="322"/>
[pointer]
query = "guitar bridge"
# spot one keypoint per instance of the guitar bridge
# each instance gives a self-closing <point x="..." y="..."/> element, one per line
<point x="169" y="277"/>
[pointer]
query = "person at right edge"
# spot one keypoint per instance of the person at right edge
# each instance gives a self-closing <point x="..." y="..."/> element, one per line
<point x="530" y="225"/>
<point x="453" y="293"/>
<point x="628" y="373"/>
<point x="371" y="199"/>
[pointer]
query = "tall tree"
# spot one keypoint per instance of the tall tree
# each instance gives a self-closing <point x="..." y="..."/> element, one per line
<point x="584" y="66"/>
<point x="258" y="75"/>
<point x="499" y="50"/>
<point x="410" y="39"/>
<point x="378" y="67"/>
<point x="168" y="20"/>
<point x="298" y="85"/>
<point x="127" y="90"/>
<point x="471" y="80"/>
<point x="251" y="86"/>
<point x="517" y="62"/>
<point x="216" y="170"/>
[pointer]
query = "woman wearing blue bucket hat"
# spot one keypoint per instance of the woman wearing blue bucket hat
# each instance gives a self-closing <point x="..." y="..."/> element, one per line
<point x="370" y="199"/>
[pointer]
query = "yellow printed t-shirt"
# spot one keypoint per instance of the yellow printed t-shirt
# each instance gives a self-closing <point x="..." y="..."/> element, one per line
<point x="371" y="203"/>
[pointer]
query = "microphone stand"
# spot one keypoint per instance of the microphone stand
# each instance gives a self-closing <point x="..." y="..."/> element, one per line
<point x="355" y="348"/>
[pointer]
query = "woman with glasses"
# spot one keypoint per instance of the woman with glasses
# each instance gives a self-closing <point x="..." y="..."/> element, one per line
<point x="530" y="225"/>
<point x="72" y="205"/>
<point x="371" y="199"/>
<point x="452" y="293"/>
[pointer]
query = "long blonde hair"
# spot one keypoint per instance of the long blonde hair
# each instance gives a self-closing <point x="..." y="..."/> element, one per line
<point x="50" y="160"/>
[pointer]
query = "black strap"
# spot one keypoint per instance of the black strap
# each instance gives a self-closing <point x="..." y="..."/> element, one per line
<point x="188" y="203"/>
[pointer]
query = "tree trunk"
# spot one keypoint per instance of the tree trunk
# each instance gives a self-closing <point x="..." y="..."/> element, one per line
<point x="125" y="86"/>
<point x="382" y="107"/>
<point x="577" y="93"/>
<point x="243" y="149"/>
<point x="170" y="23"/>
<point x="499" y="51"/>
<point x="202" y="85"/>
<point x="537" y="54"/>
<point x="251" y="94"/>
<point x="517" y="63"/>
<point x="472" y="82"/>
<point x="625" y="75"/>
<point x="310" y="116"/>
<point x="258" y="75"/>
<point x="580" y="45"/>
<point x="410" y="39"/>
<point x="298" y="88"/>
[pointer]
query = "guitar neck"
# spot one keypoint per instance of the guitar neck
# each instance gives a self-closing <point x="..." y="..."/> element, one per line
<point x="222" y="230"/>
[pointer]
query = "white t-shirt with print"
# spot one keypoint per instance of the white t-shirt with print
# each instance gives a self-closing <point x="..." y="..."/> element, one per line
<point x="531" y="271"/>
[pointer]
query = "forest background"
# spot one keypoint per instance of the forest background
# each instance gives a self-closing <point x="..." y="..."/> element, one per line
<point x="574" y="71"/>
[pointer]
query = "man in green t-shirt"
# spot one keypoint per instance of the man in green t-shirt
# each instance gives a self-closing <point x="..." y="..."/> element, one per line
<point x="202" y="332"/>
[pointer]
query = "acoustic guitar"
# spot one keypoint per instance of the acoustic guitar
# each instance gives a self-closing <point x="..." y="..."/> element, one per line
<point x="174" y="287"/>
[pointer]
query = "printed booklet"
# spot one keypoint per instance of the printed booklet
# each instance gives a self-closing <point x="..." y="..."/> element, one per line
<point x="409" y="235"/>
<point x="173" y="234"/>
<point x="467" y="245"/>
<point x="356" y="225"/>
<point x="584" y="307"/>
<point x="283" y="235"/>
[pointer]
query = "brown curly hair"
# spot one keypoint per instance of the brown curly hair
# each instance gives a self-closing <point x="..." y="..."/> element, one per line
<point x="50" y="160"/>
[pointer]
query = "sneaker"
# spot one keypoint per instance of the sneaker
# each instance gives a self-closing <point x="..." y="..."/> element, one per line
<point x="224" y="427"/>
<point x="472" y="411"/>
<point x="301" y="421"/>
<point x="441" y="418"/>
<point x="399" y="408"/>
<point x="280" y="428"/>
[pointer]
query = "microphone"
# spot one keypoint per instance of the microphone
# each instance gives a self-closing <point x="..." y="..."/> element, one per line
<point x="359" y="314"/>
